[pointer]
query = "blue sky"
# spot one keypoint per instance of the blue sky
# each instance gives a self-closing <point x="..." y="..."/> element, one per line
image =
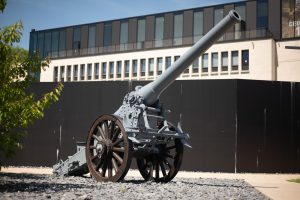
<point x="45" y="14"/>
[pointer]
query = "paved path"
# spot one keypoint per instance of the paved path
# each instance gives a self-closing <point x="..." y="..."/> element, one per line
<point x="274" y="186"/>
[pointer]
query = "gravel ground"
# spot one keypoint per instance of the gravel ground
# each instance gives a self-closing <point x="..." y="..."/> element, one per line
<point x="33" y="186"/>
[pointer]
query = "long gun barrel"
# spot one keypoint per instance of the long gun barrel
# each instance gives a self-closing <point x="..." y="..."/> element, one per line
<point x="152" y="91"/>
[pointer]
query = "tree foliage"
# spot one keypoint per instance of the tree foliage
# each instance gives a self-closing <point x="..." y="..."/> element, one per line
<point x="18" y="70"/>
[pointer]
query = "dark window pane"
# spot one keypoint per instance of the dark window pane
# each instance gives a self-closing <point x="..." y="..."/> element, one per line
<point x="143" y="67"/>
<point x="47" y="46"/>
<point x="150" y="66"/>
<point x="33" y="42"/>
<point x="104" y="70"/>
<point x="76" y="39"/>
<point x="205" y="62"/>
<point x="107" y="34"/>
<point x="40" y="48"/>
<point x="82" y="71"/>
<point x="96" y="70"/>
<point x="69" y="68"/>
<point x="119" y="69"/>
<point x="111" y="69"/>
<point x="245" y="60"/>
<point x="62" y="73"/>
<point x="224" y="61"/>
<point x="159" y="65"/>
<point x="198" y="25"/>
<point x="159" y="31"/>
<point x="234" y="60"/>
<point x="92" y="39"/>
<point x="124" y="35"/>
<point x="126" y="68"/>
<point x="62" y="43"/>
<point x="75" y="72"/>
<point x="239" y="28"/>
<point x="141" y="33"/>
<point x="214" y="62"/>
<point x="195" y="65"/>
<point x="54" y="47"/>
<point x="89" y="71"/>
<point x="168" y="62"/>
<point x="262" y="14"/>
<point x="218" y="16"/>
<point x="178" y="29"/>
<point x="55" y="74"/>
<point x="134" y="68"/>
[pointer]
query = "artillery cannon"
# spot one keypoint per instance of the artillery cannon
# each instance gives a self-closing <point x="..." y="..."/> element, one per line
<point x="139" y="128"/>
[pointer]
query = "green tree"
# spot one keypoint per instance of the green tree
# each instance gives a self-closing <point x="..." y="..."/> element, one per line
<point x="18" y="108"/>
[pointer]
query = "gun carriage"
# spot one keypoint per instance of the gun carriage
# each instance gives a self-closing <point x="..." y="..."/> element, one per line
<point x="139" y="129"/>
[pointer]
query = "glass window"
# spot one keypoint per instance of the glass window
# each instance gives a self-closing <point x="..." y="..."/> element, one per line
<point x="150" y="66"/>
<point x="159" y="31"/>
<point x="141" y="33"/>
<point x="198" y="25"/>
<point x="96" y="70"/>
<point x="124" y="35"/>
<point x="75" y="73"/>
<point x="111" y="69"/>
<point x="119" y="69"/>
<point x="82" y="71"/>
<point x="224" y="61"/>
<point x="176" y="58"/>
<point x="33" y="42"/>
<point x="104" y="70"/>
<point x="92" y="39"/>
<point x="234" y="60"/>
<point x="195" y="65"/>
<point x="134" y="68"/>
<point x="69" y="72"/>
<point x="178" y="29"/>
<point x="40" y="48"/>
<point x="55" y="74"/>
<point x="62" y="73"/>
<point x="107" y="39"/>
<point x="205" y="62"/>
<point x="54" y="46"/>
<point x="218" y="16"/>
<point x="168" y="62"/>
<point x="47" y="46"/>
<point x="62" y="43"/>
<point x="126" y="68"/>
<point x="143" y="67"/>
<point x="76" y="39"/>
<point x="262" y="14"/>
<point x="159" y="65"/>
<point x="239" y="28"/>
<point x="214" y="62"/>
<point x="89" y="71"/>
<point x="245" y="59"/>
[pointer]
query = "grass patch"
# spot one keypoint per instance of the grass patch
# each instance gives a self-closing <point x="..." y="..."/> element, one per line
<point x="297" y="180"/>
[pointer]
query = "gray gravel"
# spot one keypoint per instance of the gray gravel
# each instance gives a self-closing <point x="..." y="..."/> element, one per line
<point x="32" y="186"/>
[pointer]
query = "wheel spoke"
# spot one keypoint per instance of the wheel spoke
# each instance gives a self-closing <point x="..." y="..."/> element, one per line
<point x="115" y="134"/>
<point x="100" y="162"/>
<point x="96" y="138"/>
<point x="111" y="129"/>
<point x="109" y="166"/>
<point x="169" y="155"/>
<point x="119" y="159"/>
<point x="163" y="169"/>
<point x="156" y="170"/>
<point x="93" y="157"/>
<point x="105" y="128"/>
<point x="115" y="166"/>
<point x="92" y="147"/>
<point x="116" y="149"/>
<point x="167" y="163"/>
<point x="171" y="147"/>
<point x="104" y="167"/>
<point x="151" y="170"/>
<point x="101" y="132"/>
<point x="117" y="142"/>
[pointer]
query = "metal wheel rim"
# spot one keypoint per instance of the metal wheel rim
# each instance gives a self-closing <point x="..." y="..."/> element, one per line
<point x="162" y="167"/>
<point x="108" y="150"/>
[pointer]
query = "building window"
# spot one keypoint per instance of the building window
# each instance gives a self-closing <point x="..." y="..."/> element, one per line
<point x="224" y="61"/>
<point x="205" y="62"/>
<point x="195" y="66"/>
<point x="54" y="45"/>
<point x="178" y="29"/>
<point x="143" y="67"/>
<point x="62" y="73"/>
<point x="33" y="43"/>
<point x="150" y="66"/>
<point x="124" y="36"/>
<point x="76" y="40"/>
<point x="55" y="74"/>
<point x="104" y="70"/>
<point x="245" y="60"/>
<point x="141" y="30"/>
<point x="176" y="58"/>
<point x="159" y="65"/>
<point x="218" y="16"/>
<point x="198" y="25"/>
<point x="134" y="68"/>
<point x="82" y="71"/>
<point x="40" y="48"/>
<point x="234" y="60"/>
<point x="107" y="39"/>
<point x="96" y="71"/>
<point x="69" y="67"/>
<point x="214" y="62"/>
<point x="92" y="39"/>
<point x="239" y="28"/>
<point x="119" y="69"/>
<point x="47" y="46"/>
<point x="89" y="71"/>
<point x="168" y="62"/>
<point x="126" y="63"/>
<point x="62" y="43"/>
<point x="159" y="31"/>
<point x="262" y="21"/>
<point x="111" y="69"/>
<point x="75" y="72"/>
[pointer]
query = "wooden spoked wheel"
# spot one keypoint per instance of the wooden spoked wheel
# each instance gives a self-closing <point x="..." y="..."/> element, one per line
<point x="108" y="150"/>
<point x="163" y="166"/>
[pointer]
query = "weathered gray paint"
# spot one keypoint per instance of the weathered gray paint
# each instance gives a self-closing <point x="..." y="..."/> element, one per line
<point x="208" y="21"/>
<point x="274" y="18"/>
<point x="230" y="33"/>
<point x="149" y="31"/>
<point x="168" y="29"/>
<point x="83" y="36"/>
<point x="188" y="26"/>
<point x="116" y="32"/>
<point x="99" y="34"/>
<point x="69" y="38"/>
